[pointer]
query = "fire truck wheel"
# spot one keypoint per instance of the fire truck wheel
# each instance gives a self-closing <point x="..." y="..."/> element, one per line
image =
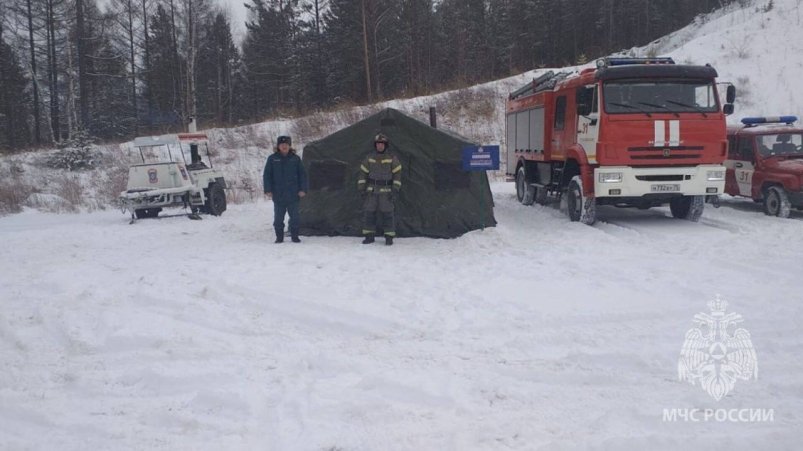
<point x="525" y="192"/>
<point x="776" y="202"/>
<point x="580" y="208"/>
<point x="689" y="208"/>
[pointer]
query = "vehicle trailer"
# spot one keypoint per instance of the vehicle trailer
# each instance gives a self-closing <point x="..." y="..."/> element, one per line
<point x="765" y="163"/>
<point x="632" y="132"/>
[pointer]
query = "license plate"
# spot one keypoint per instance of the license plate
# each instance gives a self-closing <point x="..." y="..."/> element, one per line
<point x="664" y="188"/>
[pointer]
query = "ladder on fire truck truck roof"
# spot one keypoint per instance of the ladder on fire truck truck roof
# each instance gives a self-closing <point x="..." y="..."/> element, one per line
<point x="545" y="82"/>
<point x="548" y="80"/>
<point x="631" y="60"/>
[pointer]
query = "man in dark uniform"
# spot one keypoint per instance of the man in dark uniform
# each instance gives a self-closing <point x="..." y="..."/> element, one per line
<point x="285" y="181"/>
<point x="380" y="180"/>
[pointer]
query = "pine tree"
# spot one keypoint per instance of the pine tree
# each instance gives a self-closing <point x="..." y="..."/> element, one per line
<point x="194" y="13"/>
<point x="387" y="52"/>
<point x="343" y="36"/>
<point x="146" y="57"/>
<point x="269" y="56"/>
<point x="128" y="21"/>
<point x="107" y="80"/>
<point x="81" y="40"/>
<point x="14" y="99"/>
<point x="54" y="13"/>
<point x="217" y="61"/>
<point x="312" y="56"/>
<point x="164" y="86"/>
<point x="416" y="41"/>
<point x="29" y="19"/>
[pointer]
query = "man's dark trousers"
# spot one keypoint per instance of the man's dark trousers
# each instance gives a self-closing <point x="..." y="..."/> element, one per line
<point x="279" y="210"/>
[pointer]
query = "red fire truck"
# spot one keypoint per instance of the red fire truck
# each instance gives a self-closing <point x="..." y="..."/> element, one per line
<point x="632" y="132"/>
<point x="765" y="163"/>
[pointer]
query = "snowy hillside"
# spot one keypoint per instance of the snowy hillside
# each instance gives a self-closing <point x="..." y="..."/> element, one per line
<point x="759" y="48"/>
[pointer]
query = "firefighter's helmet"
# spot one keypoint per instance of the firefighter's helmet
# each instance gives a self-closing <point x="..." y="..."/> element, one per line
<point x="380" y="138"/>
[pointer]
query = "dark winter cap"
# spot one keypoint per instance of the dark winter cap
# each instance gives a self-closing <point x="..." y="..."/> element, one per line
<point x="284" y="139"/>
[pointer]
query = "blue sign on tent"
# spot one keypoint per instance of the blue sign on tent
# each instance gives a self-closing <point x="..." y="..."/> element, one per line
<point x="480" y="158"/>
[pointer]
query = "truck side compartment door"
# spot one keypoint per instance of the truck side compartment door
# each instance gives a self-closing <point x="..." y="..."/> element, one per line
<point x="559" y="127"/>
<point x="510" y="143"/>
<point x="744" y="166"/>
<point x="588" y="125"/>
<point x="731" y="187"/>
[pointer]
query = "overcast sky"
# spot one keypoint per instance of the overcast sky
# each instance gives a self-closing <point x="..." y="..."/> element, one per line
<point x="237" y="12"/>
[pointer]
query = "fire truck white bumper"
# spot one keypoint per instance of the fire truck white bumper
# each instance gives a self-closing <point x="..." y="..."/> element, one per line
<point x="625" y="181"/>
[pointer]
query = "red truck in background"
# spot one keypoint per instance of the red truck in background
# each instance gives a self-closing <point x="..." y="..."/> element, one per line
<point x="632" y="132"/>
<point x="765" y="163"/>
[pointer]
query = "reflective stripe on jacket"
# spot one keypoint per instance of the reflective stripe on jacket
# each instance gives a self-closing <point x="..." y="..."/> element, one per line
<point x="380" y="172"/>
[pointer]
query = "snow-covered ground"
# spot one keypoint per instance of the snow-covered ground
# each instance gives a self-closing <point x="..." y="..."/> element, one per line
<point x="536" y="334"/>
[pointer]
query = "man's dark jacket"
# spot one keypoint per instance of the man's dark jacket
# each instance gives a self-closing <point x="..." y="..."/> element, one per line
<point x="284" y="177"/>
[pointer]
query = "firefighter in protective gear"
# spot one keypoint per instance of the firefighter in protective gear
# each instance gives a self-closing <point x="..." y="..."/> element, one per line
<point x="380" y="180"/>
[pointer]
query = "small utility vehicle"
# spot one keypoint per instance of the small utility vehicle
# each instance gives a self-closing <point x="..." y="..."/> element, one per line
<point x="165" y="179"/>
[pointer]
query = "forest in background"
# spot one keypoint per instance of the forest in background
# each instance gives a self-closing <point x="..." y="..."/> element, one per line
<point x="77" y="71"/>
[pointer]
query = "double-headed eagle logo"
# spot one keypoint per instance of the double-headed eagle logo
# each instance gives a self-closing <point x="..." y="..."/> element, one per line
<point x="716" y="353"/>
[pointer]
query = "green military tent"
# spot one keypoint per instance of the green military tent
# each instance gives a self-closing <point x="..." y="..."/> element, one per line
<point x="437" y="198"/>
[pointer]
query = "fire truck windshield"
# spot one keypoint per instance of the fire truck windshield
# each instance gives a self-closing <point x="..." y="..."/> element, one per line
<point x="660" y="96"/>
<point x="779" y="145"/>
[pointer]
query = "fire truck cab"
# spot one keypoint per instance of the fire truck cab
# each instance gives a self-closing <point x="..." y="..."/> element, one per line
<point x="765" y="163"/>
<point x="632" y="132"/>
